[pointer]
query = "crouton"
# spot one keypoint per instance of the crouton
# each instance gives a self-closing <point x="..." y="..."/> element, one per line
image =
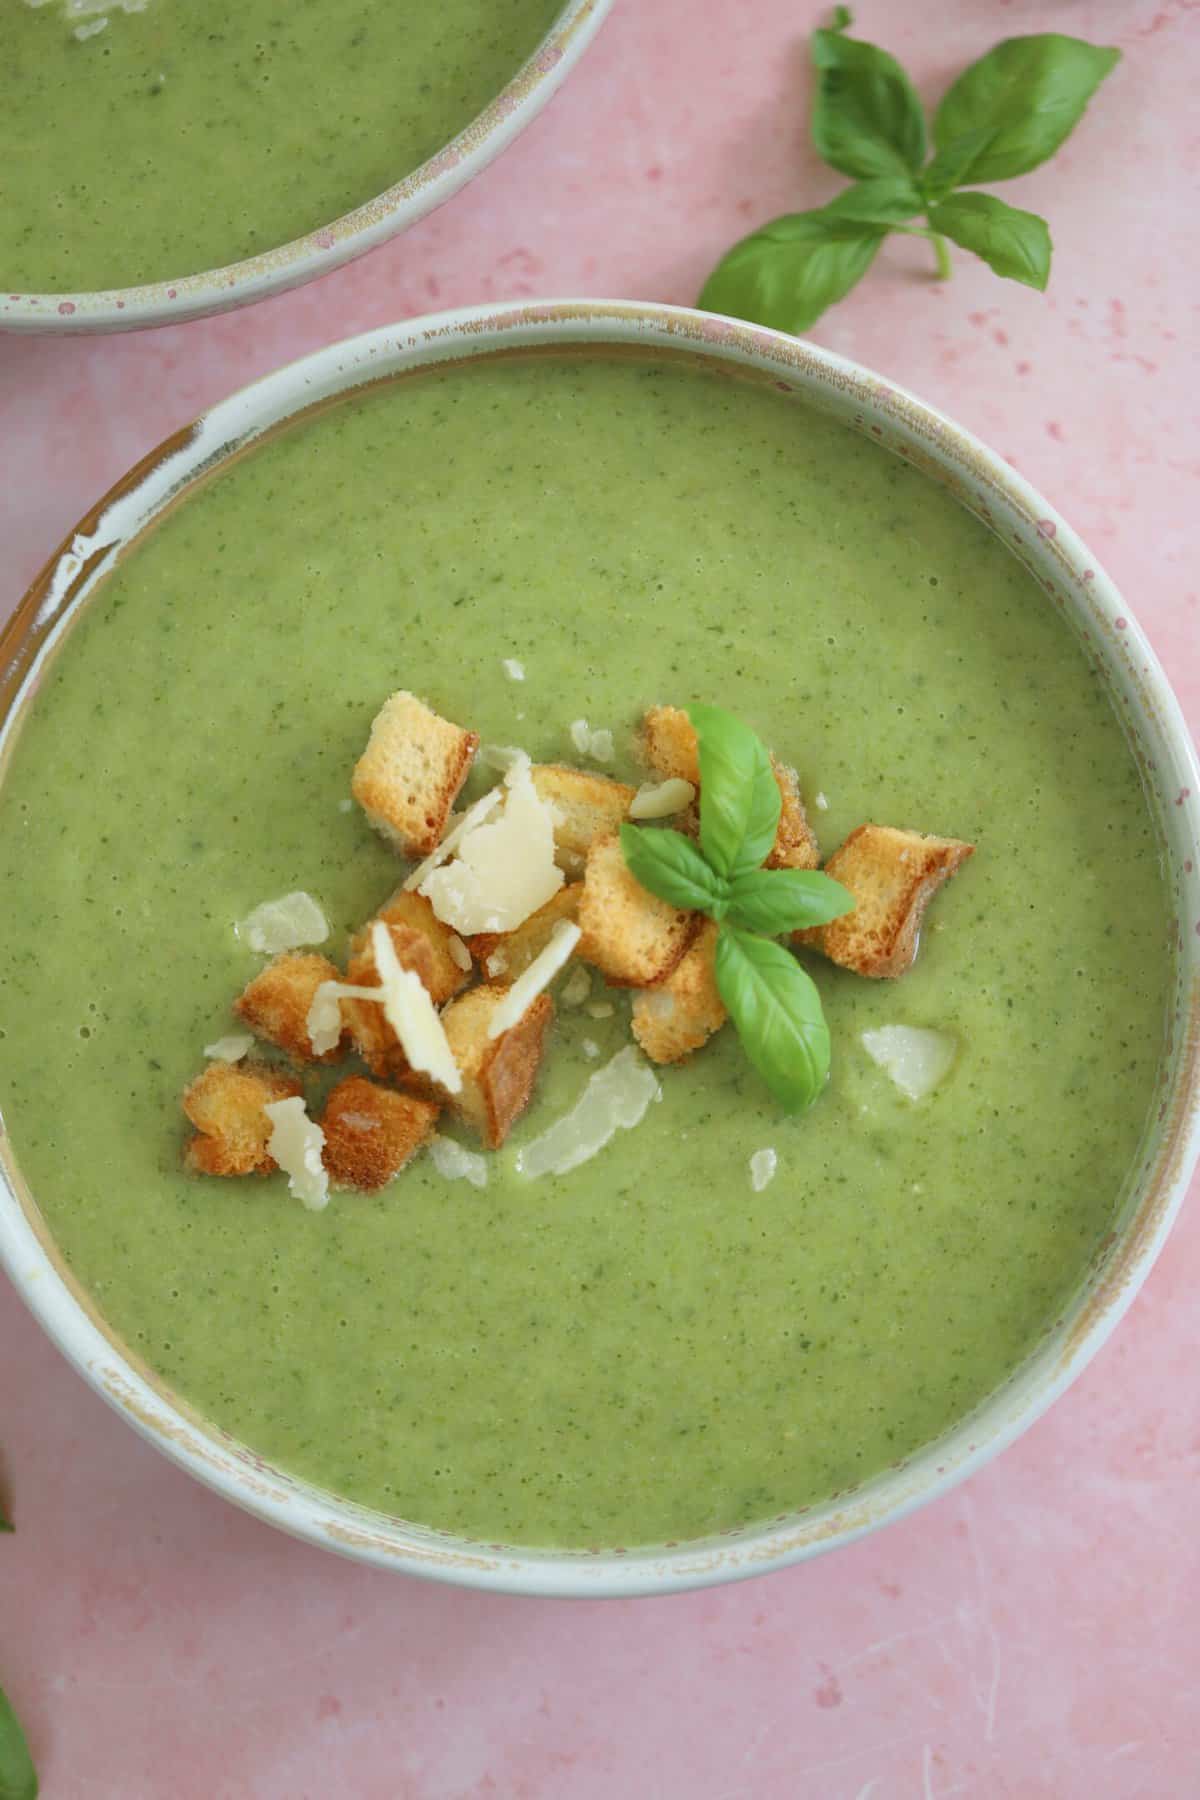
<point x="497" y="1073"/>
<point x="795" y="846"/>
<point x="407" y="778"/>
<point x="668" y="744"/>
<point x="225" y="1104"/>
<point x="503" y="955"/>
<point x="630" y="935"/>
<point x="893" y="876"/>
<point x="669" y="747"/>
<point x="588" y="807"/>
<point x="682" y="1012"/>
<point x="275" y="1004"/>
<point x="372" y="1132"/>
<point x="422" y="944"/>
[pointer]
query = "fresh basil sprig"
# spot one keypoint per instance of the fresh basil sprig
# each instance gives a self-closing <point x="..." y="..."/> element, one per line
<point x="1004" y="115"/>
<point x="772" y="1001"/>
<point x="18" y="1777"/>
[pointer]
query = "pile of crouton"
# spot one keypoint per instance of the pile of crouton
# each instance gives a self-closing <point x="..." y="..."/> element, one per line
<point x="407" y="781"/>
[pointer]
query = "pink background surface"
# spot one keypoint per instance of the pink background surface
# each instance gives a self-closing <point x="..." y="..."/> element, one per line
<point x="1037" y="1632"/>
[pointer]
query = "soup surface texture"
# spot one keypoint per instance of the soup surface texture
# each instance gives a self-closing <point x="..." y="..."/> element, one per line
<point x="198" y="132"/>
<point x="646" y="1349"/>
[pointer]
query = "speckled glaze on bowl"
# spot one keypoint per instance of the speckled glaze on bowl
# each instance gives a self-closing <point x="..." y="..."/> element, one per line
<point x="1073" y="584"/>
<point x="289" y="265"/>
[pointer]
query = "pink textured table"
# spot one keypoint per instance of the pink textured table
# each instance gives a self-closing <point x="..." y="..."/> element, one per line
<point x="1035" y="1634"/>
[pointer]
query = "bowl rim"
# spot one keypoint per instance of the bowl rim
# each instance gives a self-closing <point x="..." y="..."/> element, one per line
<point x="328" y="246"/>
<point x="1072" y="581"/>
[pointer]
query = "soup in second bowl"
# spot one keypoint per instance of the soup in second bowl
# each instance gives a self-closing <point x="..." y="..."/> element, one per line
<point x="149" y="139"/>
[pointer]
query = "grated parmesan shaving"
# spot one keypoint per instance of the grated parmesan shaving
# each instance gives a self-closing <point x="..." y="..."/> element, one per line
<point x="324" y="1020"/>
<point x="599" y="1009"/>
<point x="513" y="669"/>
<point x="285" y="924"/>
<point x="505" y="869"/>
<point x="504" y="757"/>
<point x="230" y="1049"/>
<point x="659" y="799"/>
<point x="615" y="1099"/>
<point x="296" y="1142"/>
<point x="822" y="803"/>
<point x="590" y="1048"/>
<point x="458" y="951"/>
<point x="762" y="1169"/>
<point x="575" y="988"/>
<point x="540" y="973"/>
<point x="464" y="822"/>
<point x="914" y="1058"/>
<point x="455" y="1163"/>
<point x="412" y="1015"/>
<point x="596" y="744"/>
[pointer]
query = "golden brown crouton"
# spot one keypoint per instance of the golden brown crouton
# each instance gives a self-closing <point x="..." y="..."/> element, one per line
<point x="498" y="1073"/>
<point x="795" y="845"/>
<point x="669" y="747"/>
<point x="410" y="772"/>
<point x="503" y="955"/>
<point x="225" y="1104"/>
<point x="422" y="944"/>
<point x="372" y="1132"/>
<point x="589" y="806"/>
<point x="633" y="938"/>
<point x="668" y="744"/>
<point x="893" y="876"/>
<point x="275" y="1004"/>
<point x="682" y="1012"/>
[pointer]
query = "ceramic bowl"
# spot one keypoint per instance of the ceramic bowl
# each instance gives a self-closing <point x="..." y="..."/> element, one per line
<point x="1073" y="584"/>
<point x="287" y="266"/>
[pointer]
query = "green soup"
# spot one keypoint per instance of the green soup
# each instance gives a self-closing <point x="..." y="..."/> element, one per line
<point x="647" y="1348"/>
<point x="198" y="132"/>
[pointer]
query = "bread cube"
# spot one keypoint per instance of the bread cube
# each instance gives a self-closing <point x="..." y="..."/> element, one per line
<point x="588" y="806"/>
<point x="409" y="775"/>
<point x="275" y="1004"/>
<point x="371" y="1133"/>
<point x="630" y="935"/>
<point x="225" y="1104"/>
<point x="679" y="1016"/>
<point x="498" y="1074"/>
<point x="893" y="876"/>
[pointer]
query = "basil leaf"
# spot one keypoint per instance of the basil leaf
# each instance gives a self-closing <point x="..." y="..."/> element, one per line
<point x="1012" y="242"/>
<point x="777" y="900"/>
<point x="669" y="865"/>
<point x="740" y="801"/>
<point x="789" y="272"/>
<point x="18" y="1778"/>
<point x="5" y="1524"/>
<point x="777" y="1011"/>
<point x="1030" y="93"/>
<point x="867" y="120"/>
<point x="888" y="200"/>
<point x="952" y="166"/>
